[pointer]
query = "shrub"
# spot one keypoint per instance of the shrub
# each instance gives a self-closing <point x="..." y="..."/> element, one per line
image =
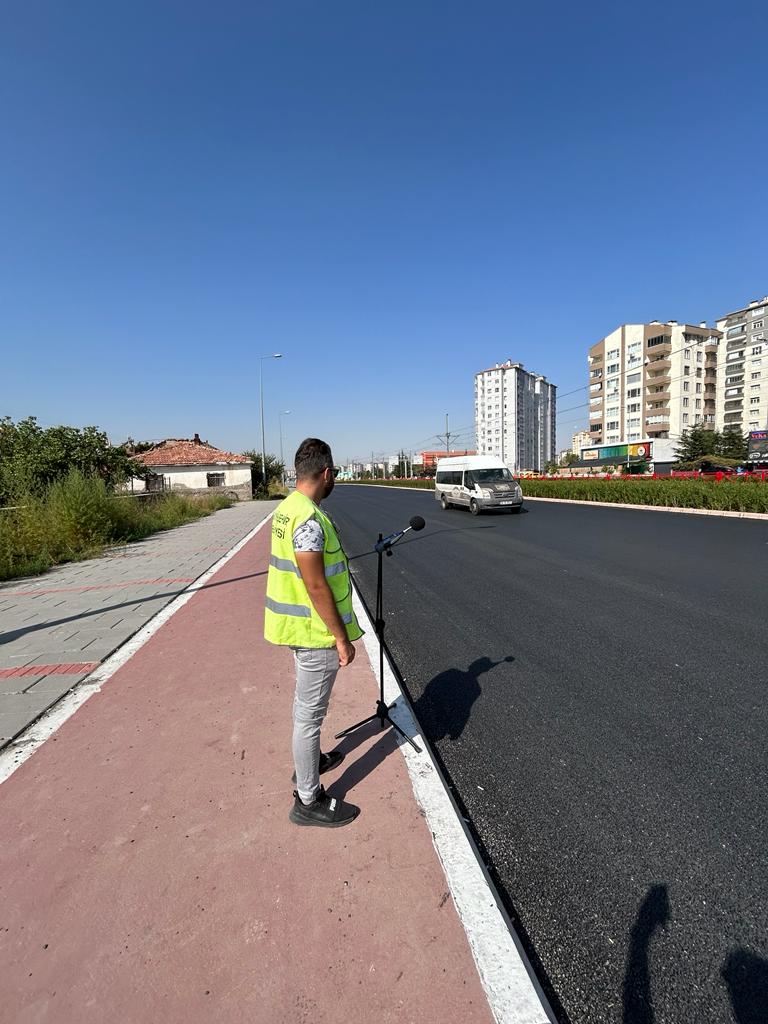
<point x="76" y="517"/>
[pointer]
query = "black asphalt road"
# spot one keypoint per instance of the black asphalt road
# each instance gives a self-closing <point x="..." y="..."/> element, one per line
<point x="594" y="682"/>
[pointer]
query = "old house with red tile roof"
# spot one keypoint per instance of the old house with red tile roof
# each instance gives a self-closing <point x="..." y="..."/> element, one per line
<point x="198" y="466"/>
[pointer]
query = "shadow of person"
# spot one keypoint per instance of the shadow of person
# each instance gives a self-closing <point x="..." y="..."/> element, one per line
<point x="746" y="975"/>
<point x="652" y="915"/>
<point x="367" y="763"/>
<point x="445" y="706"/>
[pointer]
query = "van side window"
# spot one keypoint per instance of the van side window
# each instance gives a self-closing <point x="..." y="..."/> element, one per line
<point x="448" y="477"/>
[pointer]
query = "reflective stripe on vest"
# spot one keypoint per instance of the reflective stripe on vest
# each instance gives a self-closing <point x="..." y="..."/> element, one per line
<point x="288" y="566"/>
<point x="303" y="611"/>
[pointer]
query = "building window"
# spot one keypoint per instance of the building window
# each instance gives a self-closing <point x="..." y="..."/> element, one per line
<point x="686" y="370"/>
<point x="755" y="401"/>
<point x="739" y="329"/>
<point x="758" y="312"/>
<point x="755" y="376"/>
<point x="613" y="425"/>
<point x="612" y="368"/>
<point x="698" y="403"/>
<point x="686" y="353"/>
<point x="613" y="354"/>
<point x="698" y="389"/>
<point x="658" y="340"/>
<point x="215" y="479"/>
<point x="685" y="417"/>
<point x="757" y="350"/>
<point x="699" y="357"/>
<point x="686" y="386"/>
<point x="757" y="326"/>
<point x="633" y="378"/>
<point x="596" y="428"/>
<point x="634" y="407"/>
<point x="686" y="402"/>
<point x="633" y="393"/>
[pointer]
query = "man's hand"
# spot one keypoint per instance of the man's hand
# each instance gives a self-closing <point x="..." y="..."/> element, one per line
<point x="346" y="652"/>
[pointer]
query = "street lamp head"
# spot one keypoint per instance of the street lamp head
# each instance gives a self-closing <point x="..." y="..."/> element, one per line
<point x="277" y="355"/>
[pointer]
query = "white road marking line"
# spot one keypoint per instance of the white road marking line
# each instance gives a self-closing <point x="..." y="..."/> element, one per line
<point x="513" y="991"/>
<point x="25" y="745"/>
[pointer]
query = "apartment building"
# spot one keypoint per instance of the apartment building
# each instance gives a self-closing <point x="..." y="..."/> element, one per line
<point x="515" y="414"/>
<point x="651" y="381"/>
<point x="581" y="439"/>
<point x="742" y="381"/>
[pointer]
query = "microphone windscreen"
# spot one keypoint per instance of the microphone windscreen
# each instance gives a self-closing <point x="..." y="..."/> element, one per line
<point x="417" y="523"/>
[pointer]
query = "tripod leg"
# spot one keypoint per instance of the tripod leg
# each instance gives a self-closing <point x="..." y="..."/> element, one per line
<point x="407" y="738"/>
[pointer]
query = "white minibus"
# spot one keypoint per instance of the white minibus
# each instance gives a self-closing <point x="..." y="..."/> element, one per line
<point x="477" y="482"/>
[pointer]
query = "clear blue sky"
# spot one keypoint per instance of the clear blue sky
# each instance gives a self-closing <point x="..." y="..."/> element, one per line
<point x="393" y="195"/>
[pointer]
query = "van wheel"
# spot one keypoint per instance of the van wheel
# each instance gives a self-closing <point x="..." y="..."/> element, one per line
<point x="474" y="508"/>
<point x="444" y="503"/>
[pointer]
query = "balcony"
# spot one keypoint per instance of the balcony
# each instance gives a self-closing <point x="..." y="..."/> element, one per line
<point x="658" y="379"/>
<point x="654" y="420"/>
<point x="658" y="344"/>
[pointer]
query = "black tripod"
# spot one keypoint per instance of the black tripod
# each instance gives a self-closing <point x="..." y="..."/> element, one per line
<point x="382" y="708"/>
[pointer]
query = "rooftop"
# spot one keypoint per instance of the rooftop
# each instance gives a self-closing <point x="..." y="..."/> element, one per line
<point x="183" y="452"/>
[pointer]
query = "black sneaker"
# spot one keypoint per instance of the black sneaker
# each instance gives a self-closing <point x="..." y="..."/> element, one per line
<point x="325" y="811"/>
<point x="327" y="762"/>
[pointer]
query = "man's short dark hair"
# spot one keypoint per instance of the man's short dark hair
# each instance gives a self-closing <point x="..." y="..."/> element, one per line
<point x="312" y="457"/>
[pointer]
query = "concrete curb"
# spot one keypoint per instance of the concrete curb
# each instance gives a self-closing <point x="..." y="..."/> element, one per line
<point x="613" y="504"/>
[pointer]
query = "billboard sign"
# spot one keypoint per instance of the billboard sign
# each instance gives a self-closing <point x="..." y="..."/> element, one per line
<point x="622" y="452"/>
<point x="757" y="447"/>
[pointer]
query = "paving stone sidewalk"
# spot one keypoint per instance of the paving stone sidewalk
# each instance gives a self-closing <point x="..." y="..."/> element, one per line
<point x="55" y="629"/>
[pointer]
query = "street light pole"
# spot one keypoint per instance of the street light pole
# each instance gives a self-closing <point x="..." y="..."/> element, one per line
<point x="286" y="412"/>
<point x="274" y="355"/>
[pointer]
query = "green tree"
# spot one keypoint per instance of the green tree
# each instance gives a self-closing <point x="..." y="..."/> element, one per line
<point x="696" y="442"/>
<point x="570" y="458"/>
<point x="32" y="457"/>
<point x="275" y="471"/>
<point x="733" y="444"/>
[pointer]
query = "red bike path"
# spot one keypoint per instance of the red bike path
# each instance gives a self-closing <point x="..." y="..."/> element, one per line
<point x="148" y="870"/>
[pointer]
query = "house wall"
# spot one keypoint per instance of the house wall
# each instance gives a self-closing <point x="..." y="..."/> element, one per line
<point x="195" y="478"/>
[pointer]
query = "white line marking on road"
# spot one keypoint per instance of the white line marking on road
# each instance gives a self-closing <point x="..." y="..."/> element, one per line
<point x="24" y="746"/>
<point x="513" y="991"/>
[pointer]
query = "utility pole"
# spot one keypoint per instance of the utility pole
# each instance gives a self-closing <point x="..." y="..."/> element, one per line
<point x="447" y="436"/>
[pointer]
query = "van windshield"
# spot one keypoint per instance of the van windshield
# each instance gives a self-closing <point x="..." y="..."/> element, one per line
<point x="484" y="476"/>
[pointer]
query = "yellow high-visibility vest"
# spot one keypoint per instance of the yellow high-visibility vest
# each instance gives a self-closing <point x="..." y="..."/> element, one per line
<point x="290" y="617"/>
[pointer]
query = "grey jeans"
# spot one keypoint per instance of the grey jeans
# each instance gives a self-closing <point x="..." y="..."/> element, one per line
<point x="316" y="669"/>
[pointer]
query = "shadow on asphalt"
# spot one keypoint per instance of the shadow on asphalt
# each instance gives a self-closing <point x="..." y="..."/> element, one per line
<point x="15" y="634"/>
<point x="637" y="997"/>
<point x="744" y="972"/>
<point x="746" y="975"/>
<point x="445" y="706"/>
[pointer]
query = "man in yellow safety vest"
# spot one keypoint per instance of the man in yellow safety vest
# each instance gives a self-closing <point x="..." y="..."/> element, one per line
<point x="309" y="609"/>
